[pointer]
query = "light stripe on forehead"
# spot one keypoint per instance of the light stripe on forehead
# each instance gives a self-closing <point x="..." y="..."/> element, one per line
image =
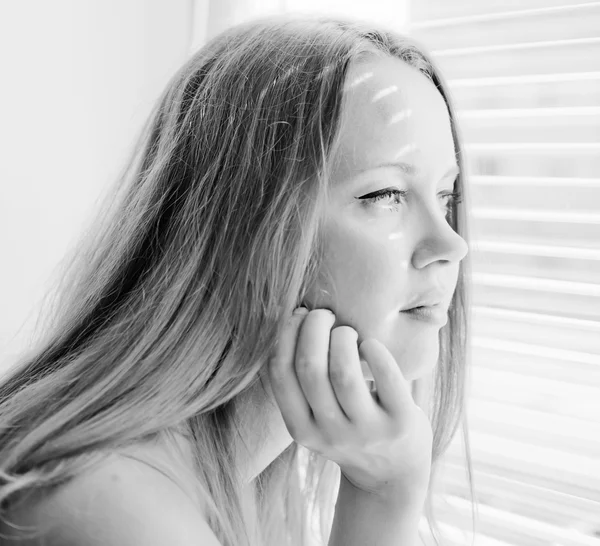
<point x="406" y="150"/>
<point x="399" y="116"/>
<point x="358" y="80"/>
<point x="384" y="93"/>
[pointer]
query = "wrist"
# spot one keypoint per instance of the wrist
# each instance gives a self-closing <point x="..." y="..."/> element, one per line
<point x="390" y="496"/>
<point x="387" y="517"/>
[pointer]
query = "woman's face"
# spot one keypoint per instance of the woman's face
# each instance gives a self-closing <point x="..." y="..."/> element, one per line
<point x="383" y="256"/>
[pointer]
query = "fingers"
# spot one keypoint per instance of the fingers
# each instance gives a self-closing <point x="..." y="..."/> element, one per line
<point x="318" y="381"/>
<point x="312" y="368"/>
<point x="346" y="375"/>
<point x="288" y="393"/>
<point x="421" y="391"/>
<point x="393" y="391"/>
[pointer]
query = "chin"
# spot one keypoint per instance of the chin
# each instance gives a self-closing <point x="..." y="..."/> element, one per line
<point x="421" y="361"/>
<point x="418" y="372"/>
<point x="415" y="362"/>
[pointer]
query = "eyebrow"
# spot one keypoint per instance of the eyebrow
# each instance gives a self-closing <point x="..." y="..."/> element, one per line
<point x="409" y="169"/>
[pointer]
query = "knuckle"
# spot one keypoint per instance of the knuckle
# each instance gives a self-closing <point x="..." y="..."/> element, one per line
<point x="328" y="414"/>
<point x="396" y="429"/>
<point x="399" y="427"/>
<point x="304" y="365"/>
<point x="340" y="375"/>
<point x="337" y="446"/>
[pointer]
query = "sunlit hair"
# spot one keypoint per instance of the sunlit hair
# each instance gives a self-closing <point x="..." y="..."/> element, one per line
<point x="170" y="304"/>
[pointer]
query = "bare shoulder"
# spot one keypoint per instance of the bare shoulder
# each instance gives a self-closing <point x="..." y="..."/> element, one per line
<point x="121" y="502"/>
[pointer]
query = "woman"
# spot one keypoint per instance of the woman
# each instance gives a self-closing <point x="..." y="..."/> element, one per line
<point x="175" y="398"/>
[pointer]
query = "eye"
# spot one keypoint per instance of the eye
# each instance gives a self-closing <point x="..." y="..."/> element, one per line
<point x="389" y="196"/>
<point x="450" y="199"/>
<point x="394" y="198"/>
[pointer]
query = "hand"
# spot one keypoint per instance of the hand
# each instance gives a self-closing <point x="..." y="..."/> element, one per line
<point x="381" y="441"/>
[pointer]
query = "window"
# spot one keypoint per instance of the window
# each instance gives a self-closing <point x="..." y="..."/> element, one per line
<point x="525" y="78"/>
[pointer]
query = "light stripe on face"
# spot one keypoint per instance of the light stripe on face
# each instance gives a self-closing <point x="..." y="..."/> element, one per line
<point x="360" y="79"/>
<point x="399" y="116"/>
<point x="409" y="148"/>
<point x="384" y="92"/>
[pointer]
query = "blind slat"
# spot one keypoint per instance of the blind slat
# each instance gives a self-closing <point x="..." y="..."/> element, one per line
<point x="539" y="250"/>
<point x="503" y="15"/>
<point x="523" y="79"/>
<point x="516" y="47"/>
<point x="506" y="525"/>
<point x="561" y="505"/>
<point x="536" y="181"/>
<point x="537" y="216"/>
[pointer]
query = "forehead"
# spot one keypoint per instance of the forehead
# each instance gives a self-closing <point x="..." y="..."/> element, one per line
<point x="392" y="112"/>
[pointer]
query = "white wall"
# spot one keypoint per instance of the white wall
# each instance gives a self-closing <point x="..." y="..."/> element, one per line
<point x="222" y="13"/>
<point x="78" y="79"/>
<point x="393" y="13"/>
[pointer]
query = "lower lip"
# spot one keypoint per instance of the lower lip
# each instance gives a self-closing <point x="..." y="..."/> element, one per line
<point x="432" y="314"/>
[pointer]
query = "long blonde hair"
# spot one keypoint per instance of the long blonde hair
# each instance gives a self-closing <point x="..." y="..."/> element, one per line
<point x="169" y="305"/>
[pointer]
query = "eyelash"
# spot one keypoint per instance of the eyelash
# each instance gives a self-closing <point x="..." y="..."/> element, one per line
<point x="454" y="197"/>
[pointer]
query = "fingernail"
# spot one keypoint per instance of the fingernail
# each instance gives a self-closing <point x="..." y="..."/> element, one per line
<point x="301" y="311"/>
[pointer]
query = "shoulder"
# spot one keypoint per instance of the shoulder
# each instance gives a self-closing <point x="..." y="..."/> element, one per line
<point x="119" y="502"/>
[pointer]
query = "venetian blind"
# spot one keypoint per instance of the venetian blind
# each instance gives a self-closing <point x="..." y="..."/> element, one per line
<point x="525" y="78"/>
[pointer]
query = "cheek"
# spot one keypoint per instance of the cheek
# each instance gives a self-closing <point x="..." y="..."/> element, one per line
<point x="362" y="274"/>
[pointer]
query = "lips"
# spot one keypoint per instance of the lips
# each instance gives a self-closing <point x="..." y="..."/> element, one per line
<point x="431" y="298"/>
<point x="436" y="307"/>
<point x="432" y="314"/>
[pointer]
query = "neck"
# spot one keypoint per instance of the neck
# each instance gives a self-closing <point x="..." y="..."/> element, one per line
<point x="264" y="435"/>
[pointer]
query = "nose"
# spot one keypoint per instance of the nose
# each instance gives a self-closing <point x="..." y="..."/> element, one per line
<point x="438" y="242"/>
